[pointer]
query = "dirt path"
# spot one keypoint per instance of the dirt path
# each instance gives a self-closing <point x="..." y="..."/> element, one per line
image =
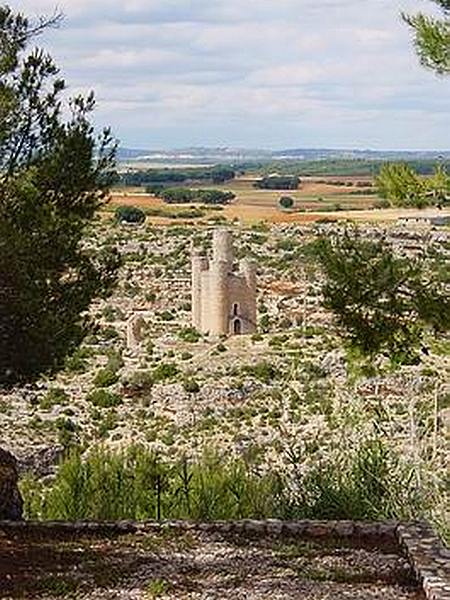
<point x="198" y="566"/>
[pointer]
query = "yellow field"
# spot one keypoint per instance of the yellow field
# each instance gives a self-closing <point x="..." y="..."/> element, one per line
<point x="314" y="200"/>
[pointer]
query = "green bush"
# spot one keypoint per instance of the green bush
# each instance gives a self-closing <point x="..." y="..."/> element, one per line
<point x="263" y="371"/>
<point x="165" y="371"/>
<point x="104" y="399"/>
<point x="139" y="382"/>
<point x="191" y="386"/>
<point x="189" y="334"/>
<point x="115" y="360"/>
<point x="67" y="432"/>
<point x="77" y="362"/>
<point x="129" y="214"/>
<point x="365" y="482"/>
<point x="53" y="397"/>
<point x="105" y="378"/>
<point x="286" y="202"/>
<point x="166" y="315"/>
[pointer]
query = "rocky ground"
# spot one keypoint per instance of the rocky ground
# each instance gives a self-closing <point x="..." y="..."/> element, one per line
<point x="292" y="389"/>
<point x="200" y="566"/>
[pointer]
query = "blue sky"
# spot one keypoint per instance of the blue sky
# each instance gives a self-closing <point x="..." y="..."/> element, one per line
<point x="251" y="73"/>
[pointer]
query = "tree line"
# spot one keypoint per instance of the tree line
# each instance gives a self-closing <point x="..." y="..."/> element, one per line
<point x="163" y="177"/>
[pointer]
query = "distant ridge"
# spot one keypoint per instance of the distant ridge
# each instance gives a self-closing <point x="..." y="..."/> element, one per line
<point x="206" y="155"/>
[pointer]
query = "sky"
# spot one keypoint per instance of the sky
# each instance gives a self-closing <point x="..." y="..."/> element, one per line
<point x="251" y="73"/>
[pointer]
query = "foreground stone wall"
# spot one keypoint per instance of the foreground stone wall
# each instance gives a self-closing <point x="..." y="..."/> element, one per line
<point x="418" y="542"/>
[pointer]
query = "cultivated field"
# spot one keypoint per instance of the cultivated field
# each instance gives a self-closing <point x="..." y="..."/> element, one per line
<point x="316" y="199"/>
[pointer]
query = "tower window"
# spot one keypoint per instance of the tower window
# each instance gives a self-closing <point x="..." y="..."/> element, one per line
<point x="235" y="310"/>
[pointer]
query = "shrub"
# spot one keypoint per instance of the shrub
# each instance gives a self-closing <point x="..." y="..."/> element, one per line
<point x="286" y="202"/>
<point x="166" y="315"/>
<point x="191" y="386"/>
<point x="129" y="214"/>
<point x="105" y="378"/>
<point x="104" y="399"/>
<point x="383" y="203"/>
<point x="264" y="323"/>
<point x="77" y="362"/>
<point x="189" y="334"/>
<point x="263" y="371"/>
<point x="67" y="432"/>
<point x="165" y="371"/>
<point x="53" y="397"/>
<point x="257" y="337"/>
<point x="139" y="382"/>
<point x="115" y="360"/>
<point x="108" y="333"/>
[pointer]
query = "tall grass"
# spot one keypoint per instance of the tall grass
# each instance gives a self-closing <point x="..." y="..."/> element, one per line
<point x="369" y="483"/>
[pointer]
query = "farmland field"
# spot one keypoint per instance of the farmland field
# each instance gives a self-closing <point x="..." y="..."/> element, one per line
<point x="316" y="199"/>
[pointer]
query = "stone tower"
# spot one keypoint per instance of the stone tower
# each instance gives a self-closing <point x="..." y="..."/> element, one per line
<point x="223" y="301"/>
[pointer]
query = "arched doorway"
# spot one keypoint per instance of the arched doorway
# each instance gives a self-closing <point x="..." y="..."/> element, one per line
<point x="237" y="327"/>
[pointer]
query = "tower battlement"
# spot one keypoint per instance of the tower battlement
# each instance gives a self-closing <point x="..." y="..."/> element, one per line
<point x="223" y="301"/>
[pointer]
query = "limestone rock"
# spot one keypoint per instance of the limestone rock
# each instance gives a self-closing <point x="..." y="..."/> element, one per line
<point x="10" y="499"/>
<point x="41" y="461"/>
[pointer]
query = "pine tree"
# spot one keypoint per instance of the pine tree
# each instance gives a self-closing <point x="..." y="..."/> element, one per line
<point x="54" y="175"/>
<point x="432" y="38"/>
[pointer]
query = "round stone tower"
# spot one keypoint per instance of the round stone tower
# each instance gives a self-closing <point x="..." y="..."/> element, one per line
<point x="223" y="247"/>
<point x="223" y="300"/>
<point x="248" y="271"/>
<point x="220" y="268"/>
<point x="199" y="266"/>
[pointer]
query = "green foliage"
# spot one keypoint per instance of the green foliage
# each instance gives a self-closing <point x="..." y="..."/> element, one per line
<point x="381" y="300"/>
<point x="105" y="378"/>
<point x="166" y="315"/>
<point x="164" y="371"/>
<point x="400" y="184"/>
<point x="54" y="396"/>
<point x="115" y="360"/>
<point x="264" y="323"/>
<point x="368" y="482"/>
<point x="263" y="371"/>
<point x="275" y="182"/>
<point x="54" y="174"/>
<point x="365" y="482"/>
<point x="139" y="382"/>
<point x="286" y="202"/>
<point x="191" y="386"/>
<point x="156" y="588"/>
<point x="67" y="432"/>
<point x="77" y="362"/>
<point x="187" y="196"/>
<point x="104" y="399"/>
<point x="156" y="179"/>
<point x="189" y="334"/>
<point x="129" y="214"/>
<point x="432" y="38"/>
<point x="438" y="186"/>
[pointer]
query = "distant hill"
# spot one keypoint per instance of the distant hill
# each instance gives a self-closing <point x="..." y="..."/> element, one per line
<point x="225" y="155"/>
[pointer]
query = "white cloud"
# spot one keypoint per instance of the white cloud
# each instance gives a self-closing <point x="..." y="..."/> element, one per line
<point x="257" y="72"/>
